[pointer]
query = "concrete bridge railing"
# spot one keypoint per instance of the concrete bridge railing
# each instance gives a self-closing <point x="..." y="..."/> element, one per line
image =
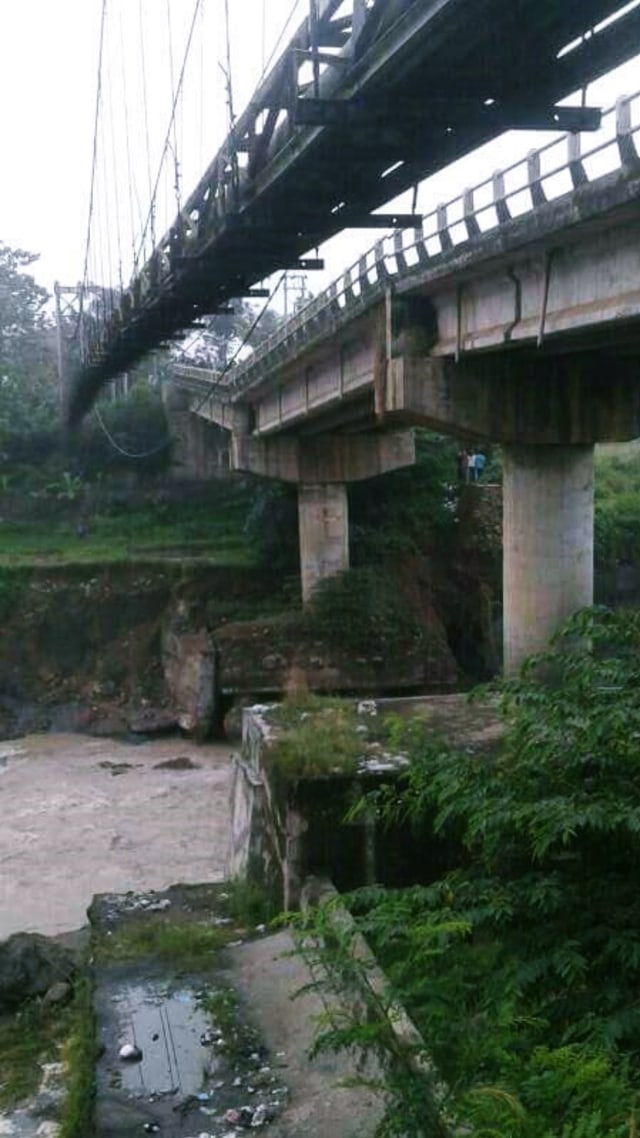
<point x="523" y="187"/>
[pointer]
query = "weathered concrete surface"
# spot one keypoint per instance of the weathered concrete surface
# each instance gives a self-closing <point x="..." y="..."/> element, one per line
<point x="548" y="544"/>
<point x="516" y="397"/>
<point x="323" y="523"/>
<point x="189" y="660"/>
<point x="327" y="458"/>
<point x="267" y="974"/>
<point x="82" y="816"/>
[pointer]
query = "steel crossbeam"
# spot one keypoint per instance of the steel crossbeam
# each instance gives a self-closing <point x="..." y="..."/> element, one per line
<point x="275" y="189"/>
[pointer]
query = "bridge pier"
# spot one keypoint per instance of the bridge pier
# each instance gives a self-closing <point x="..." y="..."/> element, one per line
<point x="547" y="543"/>
<point x="322" y="466"/>
<point x="323" y="520"/>
<point x="547" y="413"/>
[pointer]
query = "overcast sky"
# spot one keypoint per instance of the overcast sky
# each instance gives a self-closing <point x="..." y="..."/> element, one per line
<point x="48" y="69"/>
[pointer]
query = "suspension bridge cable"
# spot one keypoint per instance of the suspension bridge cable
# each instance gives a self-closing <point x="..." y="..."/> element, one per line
<point x="127" y="135"/>
<point x="167" y="442"/>
<point x="122" y="450"/>
<point x="114" y="170"/>
<point x="280" y="38"/>
<point x="94" y="160"/>
<point x="227" y="32"/>
<point x="176" y="168"/>
<point x="169" y="130"/>
<point x="146" y="132"/>
<point x="201" y="89"/>
<point x="245" y="340"/>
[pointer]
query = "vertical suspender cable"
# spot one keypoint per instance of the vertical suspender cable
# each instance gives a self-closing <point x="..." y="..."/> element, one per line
<point x="169" y="130"/>
<point x="125" y="96"/>
<point x="94" y="159"/>
<point x="115" y="179"/>
<point x="176" y="168"/>
<point x="150" y="222"/>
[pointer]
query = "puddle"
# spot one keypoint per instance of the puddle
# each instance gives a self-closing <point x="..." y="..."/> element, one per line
<point x="167" y="1027"/>
<point x="195" y="1076"/>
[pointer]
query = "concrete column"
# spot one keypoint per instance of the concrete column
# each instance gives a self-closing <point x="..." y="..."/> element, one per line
<point x="547" y="541"/>
<point x="323" y="518"/>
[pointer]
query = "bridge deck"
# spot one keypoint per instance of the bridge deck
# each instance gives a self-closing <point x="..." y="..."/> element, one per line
<point x="285" y="181"/>
<point x="463" y="258"/>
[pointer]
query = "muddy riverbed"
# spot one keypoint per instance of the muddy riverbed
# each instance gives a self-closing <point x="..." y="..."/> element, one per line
<point x="81" y="816"/>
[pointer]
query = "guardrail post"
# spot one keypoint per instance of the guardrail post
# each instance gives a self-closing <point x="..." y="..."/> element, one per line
<point x="398" y="252"/>
<point x="538" y="196"/>
<point x="503" y="212"/>
<point x="382" y="271"/>
<point x="420" y="245"/>
<point x="576" y="165"/>
<point x="444" y="236"/>
<point x="629" y="157"/>
<point x="469" y="217"/>
<point x="363" y="274"/>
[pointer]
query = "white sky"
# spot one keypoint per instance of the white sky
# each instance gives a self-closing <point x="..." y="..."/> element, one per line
<point x="48" y="67"/>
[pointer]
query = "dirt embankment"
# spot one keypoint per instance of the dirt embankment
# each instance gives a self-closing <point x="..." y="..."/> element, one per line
<point x="82" y="646"/>
<point x="149" y="646"/>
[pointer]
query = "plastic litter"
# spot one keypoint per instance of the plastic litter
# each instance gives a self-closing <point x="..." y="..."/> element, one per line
<point x="129" y="1053"/>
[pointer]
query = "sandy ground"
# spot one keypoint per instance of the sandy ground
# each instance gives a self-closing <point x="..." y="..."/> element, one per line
<point x="70" y="827"/>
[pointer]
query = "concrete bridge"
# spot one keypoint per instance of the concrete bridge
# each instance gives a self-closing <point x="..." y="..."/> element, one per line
<point x="511" y="314"/>
<point x="367" y="99"/>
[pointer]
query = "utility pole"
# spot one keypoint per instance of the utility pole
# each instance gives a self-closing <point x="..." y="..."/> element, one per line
<point x="69" y="312"/>
<point x="295" y="285"/>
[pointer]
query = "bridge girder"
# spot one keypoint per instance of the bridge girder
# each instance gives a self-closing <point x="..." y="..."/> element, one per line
<point x="275" y="189"/>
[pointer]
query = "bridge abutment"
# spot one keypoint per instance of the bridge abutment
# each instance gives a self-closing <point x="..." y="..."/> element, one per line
<point x="547" y="543"/>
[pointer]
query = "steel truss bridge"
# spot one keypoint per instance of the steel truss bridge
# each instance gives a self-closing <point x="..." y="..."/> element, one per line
<point x="369" y="97"/>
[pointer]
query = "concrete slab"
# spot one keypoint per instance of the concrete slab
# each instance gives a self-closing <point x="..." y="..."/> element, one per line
<point x="224" y="1050"/>
<point x="267" y="974"/>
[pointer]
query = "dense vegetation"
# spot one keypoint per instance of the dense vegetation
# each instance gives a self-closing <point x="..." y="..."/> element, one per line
<point x="521" y="966"/>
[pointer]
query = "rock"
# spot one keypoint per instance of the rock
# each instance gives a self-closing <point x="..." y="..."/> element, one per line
<point x="152" y="721"/>
<point x="180" y="763"/>
<point x="31" y="965"/>
<point x="272" y="661"/>
<point x="232" y="724"/>
<point x="58" y="993"/>
<point x="367" y="707"/>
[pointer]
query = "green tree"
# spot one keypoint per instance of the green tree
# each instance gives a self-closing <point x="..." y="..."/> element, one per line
<point x="220" y="339"/>
<point x="522" y="965"/>
<point x="28" y="380"/>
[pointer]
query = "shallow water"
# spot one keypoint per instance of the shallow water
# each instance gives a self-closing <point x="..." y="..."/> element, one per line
<point x="80" y="816"/>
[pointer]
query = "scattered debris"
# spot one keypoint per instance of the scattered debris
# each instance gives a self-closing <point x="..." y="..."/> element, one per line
<point x="129" y="1053"/>
<point x="116" y="768"/>
<point x="181" y="763"/>
<point x="367" y="707"/>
